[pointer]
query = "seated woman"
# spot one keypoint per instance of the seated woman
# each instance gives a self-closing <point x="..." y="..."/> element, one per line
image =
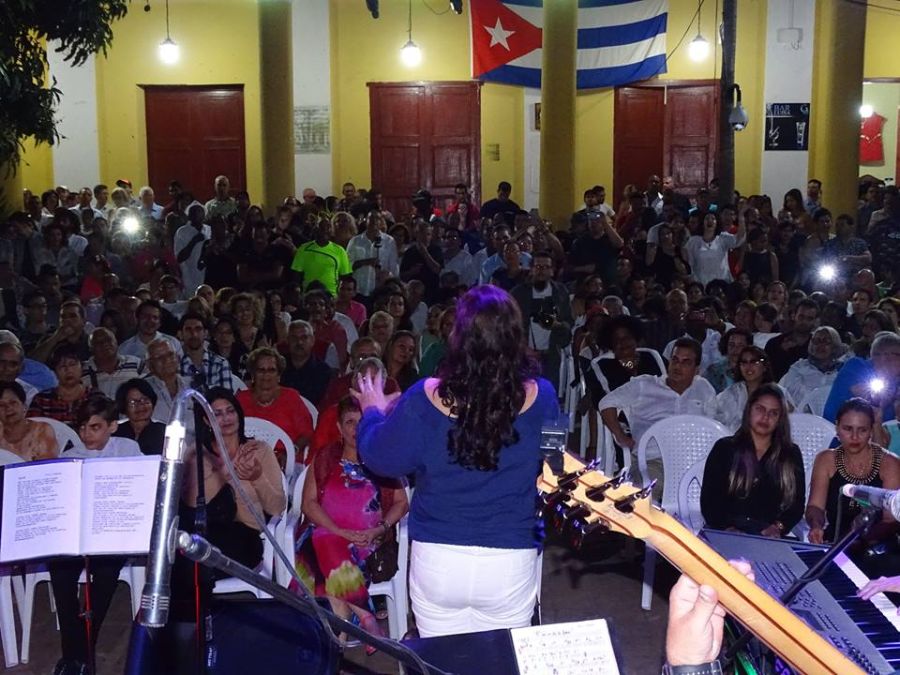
<point x="721" y="374"/>
<point x="819" y="368"/>
<point x="29" y="439"/>
<point x="752" y="372"/>
<point x="620" y="336"/>
<point x="230" y="524"/>
<point x="399" y="359"/>
<point x="136" y="401"/>
<point x="268" y="400"/>
<point x="858" y="461"/>
<point x="348" y="512"/>
<point x="754" y="480"/>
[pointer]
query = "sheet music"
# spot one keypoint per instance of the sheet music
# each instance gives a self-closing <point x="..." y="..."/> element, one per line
<point x="118" y="497"/>
<point x="39" y="501"/>
<point x="574" y="648"/>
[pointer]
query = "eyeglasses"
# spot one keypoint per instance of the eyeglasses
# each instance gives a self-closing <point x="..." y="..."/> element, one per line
<point x="752" y="362"/>
<point x="138" y="402"/>
<point x="542" y="267"/>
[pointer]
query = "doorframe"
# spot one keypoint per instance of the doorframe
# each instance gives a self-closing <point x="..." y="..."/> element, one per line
<point x="664" y="85"/>
<point x="475" y="181"/>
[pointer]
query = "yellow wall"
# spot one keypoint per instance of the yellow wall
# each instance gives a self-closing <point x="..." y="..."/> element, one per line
<point x="36" y="167"/>
<point x="367" y="50"/>
<point x="219" y="42"/>
<point x="882" y="29"/>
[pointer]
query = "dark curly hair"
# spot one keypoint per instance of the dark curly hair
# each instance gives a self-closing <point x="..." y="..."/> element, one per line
<point x="482" y="378"/>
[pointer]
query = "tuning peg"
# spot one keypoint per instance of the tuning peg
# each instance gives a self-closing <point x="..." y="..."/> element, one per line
<point x="626" y="504"/>
<point x="568" y="481"/>
<point x="598" y="492"/>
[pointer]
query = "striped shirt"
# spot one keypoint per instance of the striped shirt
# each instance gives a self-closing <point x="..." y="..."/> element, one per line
<point x="127" y="367"/>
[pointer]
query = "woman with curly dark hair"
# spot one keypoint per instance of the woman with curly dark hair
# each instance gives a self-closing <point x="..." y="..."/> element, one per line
<point x="472" y="437"/>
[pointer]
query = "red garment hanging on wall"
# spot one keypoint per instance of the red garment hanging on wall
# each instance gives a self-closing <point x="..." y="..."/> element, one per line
<point x="871" y="148"/>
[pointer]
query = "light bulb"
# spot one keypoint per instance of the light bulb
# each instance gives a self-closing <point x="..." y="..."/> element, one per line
<point x="411" y="55"/>
<point x="866" y="111"/>
<point x="168" y="51"/>
<point x="698" y="49"/>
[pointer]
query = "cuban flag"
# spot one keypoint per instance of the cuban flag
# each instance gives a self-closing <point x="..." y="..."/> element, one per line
<point x="619" y="41"/>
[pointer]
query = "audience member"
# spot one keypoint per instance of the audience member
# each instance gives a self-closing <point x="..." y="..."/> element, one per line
<point x="136" y="400"/>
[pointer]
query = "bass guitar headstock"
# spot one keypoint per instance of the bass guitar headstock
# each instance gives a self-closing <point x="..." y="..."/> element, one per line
<point x="583" y="500"/>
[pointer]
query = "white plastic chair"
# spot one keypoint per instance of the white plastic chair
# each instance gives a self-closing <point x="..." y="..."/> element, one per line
<point x="64" y="433"/>
<point x="313" y="411"/>
<point x="237" y="384"/>
<point x="8" y="622"/>
<point x="294" y="515"/>
<point x="9" y="457"/>
<point x="396" y="590"/>
<point x="266" y="567"/>
<point x="682" y="440"/>
<point x="24" y="587"/>
<point x="270" y="433"/>
<point x="814" y="401"/>
<point x="689" y="490"/>
<point x="812" y="434"/>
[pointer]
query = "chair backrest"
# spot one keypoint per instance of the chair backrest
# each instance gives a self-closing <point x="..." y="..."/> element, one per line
<point x="237" y="384"/>
<point x="814" y="401"/>
<point x="297" y="491"/>
<point x="682" y="440"/>
<point x="313" y="411"/>
<point x="9" y="457"/>
<point x="271" y="433"/>
<point x="689" y="496"/>
<point x="64" y="433"/>
<point x="812" y="434"/>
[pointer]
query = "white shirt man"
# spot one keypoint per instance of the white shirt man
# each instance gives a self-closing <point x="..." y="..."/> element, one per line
<point x="371" y="253"/>
<point x="148" y="318"/>
<point x="189" y="240"/>
<point x="458" y="259"/>
<point x="710" y="347"/>
<point x="651" y="398"/>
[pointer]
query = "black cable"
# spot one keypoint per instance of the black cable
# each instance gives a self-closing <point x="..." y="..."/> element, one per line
<point x="435" y="12"/>
<point x="686" y="30"/>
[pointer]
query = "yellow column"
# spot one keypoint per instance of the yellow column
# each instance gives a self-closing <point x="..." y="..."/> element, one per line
<point x="558" y="111"/>
<point x="276" y="101"/>
<point x="836" y="97"/>
<point x="10" y="190"/>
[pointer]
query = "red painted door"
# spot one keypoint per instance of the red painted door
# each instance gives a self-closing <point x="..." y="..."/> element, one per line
<point x="193" y="135"/>
<point x="639" y="122"/>
<point x="667" y="131"/>
<point x="691" y="139"/>
<point x="424" y="135"/>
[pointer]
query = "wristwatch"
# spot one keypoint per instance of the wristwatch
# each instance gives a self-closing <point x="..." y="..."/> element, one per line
<point x="711" y="668"/>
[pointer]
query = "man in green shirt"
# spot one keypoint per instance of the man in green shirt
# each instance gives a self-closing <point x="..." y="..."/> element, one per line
<point x="322" y="260"/>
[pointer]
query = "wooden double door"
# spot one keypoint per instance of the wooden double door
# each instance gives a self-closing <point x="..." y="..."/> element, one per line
<point x="195" y="133"/>
<point x="424" y="135"/>
<point x="667" y="129"/>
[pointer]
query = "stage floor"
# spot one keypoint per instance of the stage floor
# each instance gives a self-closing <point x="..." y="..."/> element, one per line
<point x="603" y="580"/>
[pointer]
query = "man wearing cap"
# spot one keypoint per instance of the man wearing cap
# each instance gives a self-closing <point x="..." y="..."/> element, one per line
<point x="125" y="184"/>
<point x="222" y="204"/>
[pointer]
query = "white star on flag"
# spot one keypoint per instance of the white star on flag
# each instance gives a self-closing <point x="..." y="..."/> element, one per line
<point x="499" y="35"/>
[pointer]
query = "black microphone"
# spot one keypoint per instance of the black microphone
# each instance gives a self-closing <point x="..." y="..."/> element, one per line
<point x="874" y="497"/>
<point x="157" y="590"/>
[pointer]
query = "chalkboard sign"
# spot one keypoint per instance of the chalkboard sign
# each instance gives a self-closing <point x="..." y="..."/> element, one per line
<point x="787" y="126"/>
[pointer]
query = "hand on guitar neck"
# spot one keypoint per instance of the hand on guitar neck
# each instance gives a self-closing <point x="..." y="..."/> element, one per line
<point x="696" y="620"/>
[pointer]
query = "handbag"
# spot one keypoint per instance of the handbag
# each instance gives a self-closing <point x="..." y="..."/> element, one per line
<point x="382" y="562"/>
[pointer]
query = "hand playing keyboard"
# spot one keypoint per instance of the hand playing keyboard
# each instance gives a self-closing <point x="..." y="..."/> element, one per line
<point x="880" y="585"/>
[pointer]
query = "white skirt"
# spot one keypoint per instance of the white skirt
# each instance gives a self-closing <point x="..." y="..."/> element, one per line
<point x="467" y="589"/>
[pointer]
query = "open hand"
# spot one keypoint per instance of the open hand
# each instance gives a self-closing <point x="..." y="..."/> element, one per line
<point x="880" y="585"/>
<point x="369" y="391"/>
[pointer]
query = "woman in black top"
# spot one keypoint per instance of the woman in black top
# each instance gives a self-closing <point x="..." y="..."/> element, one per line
<point x="620" y="336"/>
<point x="754" y="480"/>
<point x="858" y="461"/>
<point x="136" y="400"/>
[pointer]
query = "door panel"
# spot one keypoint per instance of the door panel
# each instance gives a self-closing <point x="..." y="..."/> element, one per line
<point x="639" y="125"/>
<point x="424" y="136"/>
<point x="671" y="130"/>
<point x="193" y="135"/>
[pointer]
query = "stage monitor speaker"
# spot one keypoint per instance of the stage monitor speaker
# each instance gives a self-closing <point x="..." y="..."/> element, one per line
<point x="248" y="636"/>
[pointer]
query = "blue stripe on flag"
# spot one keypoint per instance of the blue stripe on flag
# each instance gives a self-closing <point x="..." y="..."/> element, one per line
<point x="595" y="78"/>
<point x="523" y="77"/>
<point x="527" y="3"/>
<point x="612" y="36"/>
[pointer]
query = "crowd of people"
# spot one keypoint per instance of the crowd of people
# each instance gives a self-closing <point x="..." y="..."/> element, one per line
<point x="667" y="302"/>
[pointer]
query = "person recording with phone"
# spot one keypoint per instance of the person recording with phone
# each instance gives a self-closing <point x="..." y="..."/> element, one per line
<point x="373" y="255"/>
<point x="875" y="379"/>
<point x="546" y="314"/>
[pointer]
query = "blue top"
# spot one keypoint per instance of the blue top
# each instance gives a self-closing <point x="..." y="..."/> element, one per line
<point x="453" y="505"/>
<point x="856" y="371"/>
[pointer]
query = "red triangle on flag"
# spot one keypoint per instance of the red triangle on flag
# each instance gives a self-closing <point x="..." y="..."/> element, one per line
<point x="499" y="35"/>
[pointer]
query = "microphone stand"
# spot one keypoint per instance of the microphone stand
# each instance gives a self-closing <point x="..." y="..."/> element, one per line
<point x="861" y="524"/>
<point x="202" y="575"/>
<point x="199" y="550"/>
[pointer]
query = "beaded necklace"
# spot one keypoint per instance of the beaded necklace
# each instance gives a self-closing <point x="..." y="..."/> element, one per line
<point x="877" y="454"/>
